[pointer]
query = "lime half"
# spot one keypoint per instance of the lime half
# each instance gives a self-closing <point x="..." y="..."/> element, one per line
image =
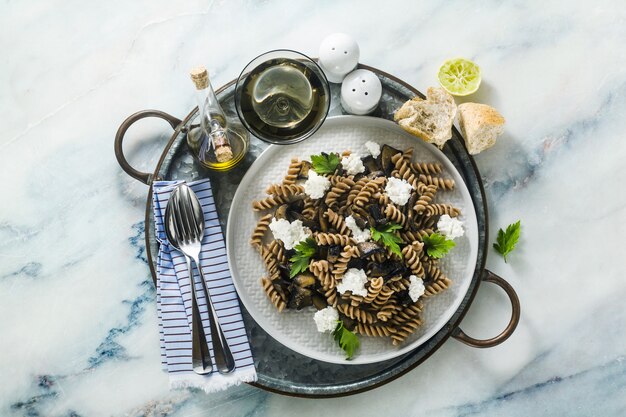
<point x="459" y="76"/>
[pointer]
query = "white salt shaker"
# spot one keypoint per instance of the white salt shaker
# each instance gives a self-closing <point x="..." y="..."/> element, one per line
<point x="339" y="54"/>
<point x="360" y="92"/>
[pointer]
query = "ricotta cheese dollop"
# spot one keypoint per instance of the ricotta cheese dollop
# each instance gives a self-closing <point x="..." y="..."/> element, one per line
<point x="316" y="185"/>
<point x="416" y="288"/>
<point x="373" y="148"/>
<point x="289" y="233"/>
<point x="359" y="235"/>
<point x="450" y="227"/>
<point x="398" y="190"/>
<point x="326" y="319"/>
<point x="352" y="164"/>
<point x="353" y="280"/>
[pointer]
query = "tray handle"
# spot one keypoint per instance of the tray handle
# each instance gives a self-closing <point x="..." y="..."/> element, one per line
<point x="461" y="336"/>
<point x="144" y="177"/>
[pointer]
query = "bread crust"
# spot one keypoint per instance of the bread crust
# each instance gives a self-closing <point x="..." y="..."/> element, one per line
<point x="429" y="119"/>
<point x="480" y="125"/>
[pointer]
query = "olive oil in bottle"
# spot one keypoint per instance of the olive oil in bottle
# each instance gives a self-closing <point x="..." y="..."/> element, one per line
<point x="216" y="142"/>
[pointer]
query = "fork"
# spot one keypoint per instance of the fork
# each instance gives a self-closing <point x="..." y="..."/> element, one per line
<point x="190" y="218"/>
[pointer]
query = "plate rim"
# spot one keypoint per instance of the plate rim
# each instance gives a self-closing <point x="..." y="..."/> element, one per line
<point x="450" y="311"/>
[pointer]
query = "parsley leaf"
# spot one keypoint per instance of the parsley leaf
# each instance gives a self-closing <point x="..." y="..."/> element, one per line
<point x="325" y="163"/>
<point x="507" y="239"/>
<point x="387" y="237"/>
<point x="347" y="340"/>
<point x="437" y="245"/>
<point x="300" y="261"/>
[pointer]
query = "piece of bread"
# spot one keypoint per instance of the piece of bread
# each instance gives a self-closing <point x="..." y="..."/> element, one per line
<point x="430" y="119"/>
<point x="481" y="125"/>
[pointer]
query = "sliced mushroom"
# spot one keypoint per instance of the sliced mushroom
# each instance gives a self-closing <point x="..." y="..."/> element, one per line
<point x="304" y="170"/>
<point x="281" y="212"/>
<point x="367" y="249"/>
<point x="323" y="220"/>
<point x="299" y="297"/>
<point x="404" y="298"/>
<point x="304" y="280"/>
<point x="293" y="215"/>
<point x="357" y="263"/>
<point x="297" y="206"/>
<point x="282" y="288"/>
<point x="387" y="269"/>
<point x="319" y="301"/>
<point x="334" y="252"/>
<point x="370" y="164"/>
<point x="284" y="270"/>
<point x="375" y="174"/>
<point x="408" y="208"/>
<point x="377" y="215"/>
<point x="361" y="221"/>
<point x="386" y="153"/>
<point x="348" y="323"/>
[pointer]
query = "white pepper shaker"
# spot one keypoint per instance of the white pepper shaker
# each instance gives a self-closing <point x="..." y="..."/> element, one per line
<point x="339" y="54"/>
<point x="361" y="92"/>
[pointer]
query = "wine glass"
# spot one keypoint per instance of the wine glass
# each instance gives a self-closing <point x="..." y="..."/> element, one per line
<point x="282" y="97"/>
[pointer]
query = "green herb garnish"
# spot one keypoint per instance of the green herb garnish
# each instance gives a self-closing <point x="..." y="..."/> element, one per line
<point x="437" y="245"/>
<point x="507" y="239"/>
<point x="347" y="340"/>
<point x="325" y="163"/>
<point x="300" y="261"/>
<point x="387" y="237"/>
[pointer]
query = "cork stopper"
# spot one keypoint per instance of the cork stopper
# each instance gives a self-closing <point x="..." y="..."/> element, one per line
<point x="200" y="77"/>
<point x="223" y="153"/>
<point x="223" y="150"/>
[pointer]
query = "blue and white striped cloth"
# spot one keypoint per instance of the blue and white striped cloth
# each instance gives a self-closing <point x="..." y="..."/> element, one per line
<point x="174" y="298"/>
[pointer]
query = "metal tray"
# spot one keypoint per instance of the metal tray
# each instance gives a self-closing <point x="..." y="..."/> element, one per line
<point x="279" y="369"/>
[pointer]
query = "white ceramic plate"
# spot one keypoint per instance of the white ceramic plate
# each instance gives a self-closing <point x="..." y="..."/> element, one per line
<point x="296" y="329"/>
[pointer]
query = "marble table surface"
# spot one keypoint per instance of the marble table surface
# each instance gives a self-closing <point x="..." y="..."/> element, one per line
<point x="78" y="331"/>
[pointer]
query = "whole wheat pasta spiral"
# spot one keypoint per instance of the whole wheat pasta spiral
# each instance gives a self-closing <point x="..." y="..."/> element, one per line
<point x="285" y="190"/>
<point x="427" y="168"/>
<point x="278" y="250"/>
<point x="403" y="168"/>
<point x="368" y="190"/>
<point x="427" y="195"/>
<point x="272" y="294"/>
<point x="338" y="222"/>
<point x="440" y="209"/>
<point x="293" y="171"/>
<point x="322" y="271"/>
<point x="443" y="183"/>
<point x="356" y="189"/>
<point x="268" y="203"/>
<point x="395" y="215"/>
<point x="356" y="313"/>
<point x="310" y="208"/>
<point x="259" y="231"/>
<point x="407" y="313"/>
<point x="340" y="188"/>
<point x="405" y="330"/>
<point x="375" y="330"/>
<point x="437" y="282"/>
<point x="375" y="285"/>
<point x="333" y="239"/>
<point x="340" y="267"/>
<point x="412" y="258"/>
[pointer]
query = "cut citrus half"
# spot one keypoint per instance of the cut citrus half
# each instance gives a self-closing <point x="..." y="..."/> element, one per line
<point x="459" y="76"/>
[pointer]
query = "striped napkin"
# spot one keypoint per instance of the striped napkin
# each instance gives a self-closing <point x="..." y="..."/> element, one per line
<point x="174" y="298"/>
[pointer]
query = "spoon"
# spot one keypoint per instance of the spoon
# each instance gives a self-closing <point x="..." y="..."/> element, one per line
<point x="200" y="355"/>
<point x="189" y="221"/>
